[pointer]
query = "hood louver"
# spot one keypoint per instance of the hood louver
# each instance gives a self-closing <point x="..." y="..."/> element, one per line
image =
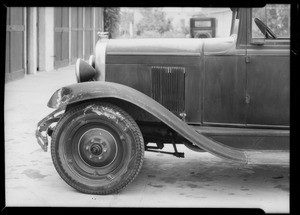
<point x="168" y="84"/>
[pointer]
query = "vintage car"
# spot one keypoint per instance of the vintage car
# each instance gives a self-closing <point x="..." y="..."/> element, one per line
<point x="226" y="96"/>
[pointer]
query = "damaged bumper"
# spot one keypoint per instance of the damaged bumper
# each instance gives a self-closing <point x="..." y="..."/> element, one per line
<point x="44" y="129"/>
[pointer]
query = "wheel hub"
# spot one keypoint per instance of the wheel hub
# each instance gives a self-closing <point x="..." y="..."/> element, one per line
<point x="98" y="147"/>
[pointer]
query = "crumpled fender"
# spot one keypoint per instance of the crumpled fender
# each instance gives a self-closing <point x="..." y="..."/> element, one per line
<point x="91" y="90"/>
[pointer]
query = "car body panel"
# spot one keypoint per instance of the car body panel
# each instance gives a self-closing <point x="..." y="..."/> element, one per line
<point x="129" y="64"/>
<point x="87" y="91"/>
<point x="92" y="90"/>
<point x="138" y="76"/>
<point x="224" y="90"/>
<point x="268" y="72"/>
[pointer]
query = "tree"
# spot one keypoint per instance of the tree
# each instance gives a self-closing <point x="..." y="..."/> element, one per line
<point x="276" y="17"/>
<point x="126" y="22"/>
<point x="154" y="19"/>
<point x="111" y="19"/>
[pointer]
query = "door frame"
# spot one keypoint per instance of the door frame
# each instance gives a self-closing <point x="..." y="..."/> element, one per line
<point x="13" y="75"/>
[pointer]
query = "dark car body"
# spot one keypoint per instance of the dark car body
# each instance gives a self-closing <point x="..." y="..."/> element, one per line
<point x="227" y="96"/>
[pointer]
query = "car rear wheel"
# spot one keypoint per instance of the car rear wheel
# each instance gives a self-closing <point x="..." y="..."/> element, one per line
<point x="97" y="148"/>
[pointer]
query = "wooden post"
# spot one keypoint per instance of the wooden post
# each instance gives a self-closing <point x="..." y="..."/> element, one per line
<point x="46" y="38"/>
<point x="83" y="36"/>
<point x="94" y="28"/>
<point x="70" y="35"/>
<point x="41" y="38"/>
<point x="32" y="40"/>
<point x="25" y="40"/>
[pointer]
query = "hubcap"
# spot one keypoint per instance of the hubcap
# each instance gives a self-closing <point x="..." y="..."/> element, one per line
<point x="97" y="147"/>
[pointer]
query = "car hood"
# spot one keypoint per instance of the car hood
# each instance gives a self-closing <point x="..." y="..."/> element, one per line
<point x="171" y="46"/>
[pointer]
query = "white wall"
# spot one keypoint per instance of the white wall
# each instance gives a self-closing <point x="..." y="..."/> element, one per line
<point x="49" y="41"/>
<point x="46" y="38"/>
<point x="31" y="40"/>
<point x="40" y="39"/>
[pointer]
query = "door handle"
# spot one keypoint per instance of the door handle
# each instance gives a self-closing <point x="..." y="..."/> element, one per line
<point x="247" y="98"/>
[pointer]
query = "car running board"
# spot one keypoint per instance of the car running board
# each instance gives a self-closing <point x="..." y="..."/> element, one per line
<point x="272" y="157"/>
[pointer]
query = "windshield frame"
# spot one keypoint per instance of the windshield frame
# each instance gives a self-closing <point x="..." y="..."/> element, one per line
<point x="234" y="17"/>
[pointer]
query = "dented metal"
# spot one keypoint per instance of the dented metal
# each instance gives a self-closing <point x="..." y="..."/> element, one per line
<point x="104" y="111"/>
<point x="62" y="96"/>
<point x="97" y="90"/>
<point x="43" y="126"/>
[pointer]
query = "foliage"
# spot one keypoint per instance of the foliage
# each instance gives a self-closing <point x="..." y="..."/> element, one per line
<point x="126" y="20"/>
<point x="276" y="17"/>
<point x="111" y="19"/>
<point x="154" y="19"/>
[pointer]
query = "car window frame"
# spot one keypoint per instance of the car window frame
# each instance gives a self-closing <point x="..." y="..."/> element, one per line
<point x="245" y="40"/>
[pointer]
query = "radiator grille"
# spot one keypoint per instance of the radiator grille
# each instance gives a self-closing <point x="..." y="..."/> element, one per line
<point x="168" y="84"/>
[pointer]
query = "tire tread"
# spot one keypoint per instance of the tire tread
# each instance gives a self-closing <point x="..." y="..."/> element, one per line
<point x="139" y="150"/>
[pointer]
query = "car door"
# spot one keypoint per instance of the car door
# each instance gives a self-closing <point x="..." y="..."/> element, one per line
<point x="268" y="68"/>
<point x="225" y="77"/>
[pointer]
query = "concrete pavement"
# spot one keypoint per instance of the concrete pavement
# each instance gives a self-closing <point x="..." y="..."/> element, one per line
<point x="198" y="180"/>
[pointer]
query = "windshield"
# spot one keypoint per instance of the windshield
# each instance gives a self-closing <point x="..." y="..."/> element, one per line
<point x="235" y="22"/>
<point x="173" y="22"/>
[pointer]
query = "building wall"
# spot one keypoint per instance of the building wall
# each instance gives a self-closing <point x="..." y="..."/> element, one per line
<point x="15" y="58"/>
<point x="49" y="38"/>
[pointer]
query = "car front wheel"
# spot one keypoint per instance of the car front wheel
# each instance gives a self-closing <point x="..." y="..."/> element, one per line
<point x="97" y="148"/>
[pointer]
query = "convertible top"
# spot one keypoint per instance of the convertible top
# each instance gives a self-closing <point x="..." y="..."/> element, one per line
<point x="161" y="46"/>
<point x="171" y="46"/>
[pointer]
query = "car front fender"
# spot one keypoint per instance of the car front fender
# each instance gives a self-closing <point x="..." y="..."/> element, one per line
<point x="96" y="90"/>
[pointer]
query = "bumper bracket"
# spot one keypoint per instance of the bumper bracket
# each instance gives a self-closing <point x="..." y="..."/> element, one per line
<point x="42" y="132"/>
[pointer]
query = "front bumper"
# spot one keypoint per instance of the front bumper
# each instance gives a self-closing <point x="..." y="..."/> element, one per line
<point x="44" y="129"/>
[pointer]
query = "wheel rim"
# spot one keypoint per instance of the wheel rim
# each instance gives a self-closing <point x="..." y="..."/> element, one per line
<point x="97" y="147"/>
<point x="92" y="168"/>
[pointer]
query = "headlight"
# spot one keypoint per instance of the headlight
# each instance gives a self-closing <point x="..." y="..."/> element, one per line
<point x="92" y="61"/>
<point x="84" y="71"/>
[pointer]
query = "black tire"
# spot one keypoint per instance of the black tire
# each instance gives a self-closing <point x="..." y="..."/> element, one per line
<point x="97" y="148"/>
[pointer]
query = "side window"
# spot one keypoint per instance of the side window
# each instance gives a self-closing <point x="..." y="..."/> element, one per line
<point x="275" y="17"/>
